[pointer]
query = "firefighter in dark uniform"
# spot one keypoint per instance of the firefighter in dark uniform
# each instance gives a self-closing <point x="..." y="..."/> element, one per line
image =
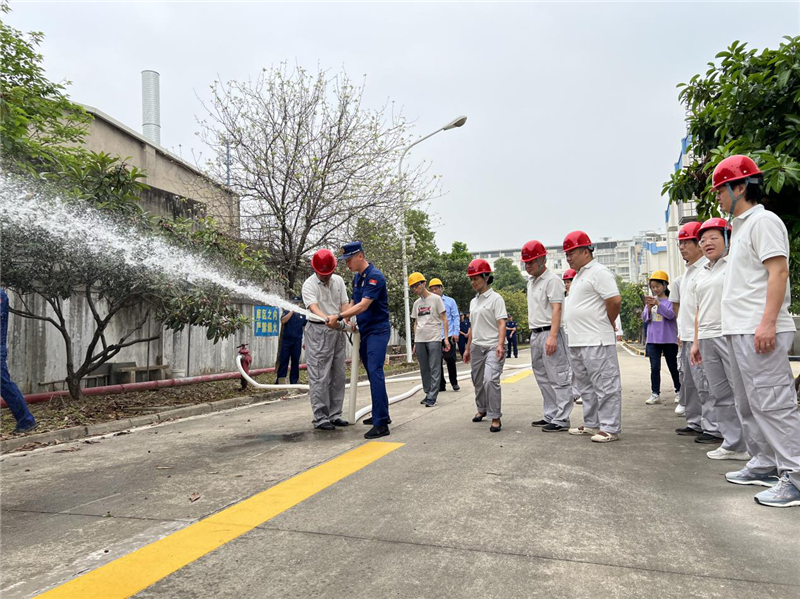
<point x="370" y="305"/>
<point x="291" y="345"/>
<point x="511" y="335"/>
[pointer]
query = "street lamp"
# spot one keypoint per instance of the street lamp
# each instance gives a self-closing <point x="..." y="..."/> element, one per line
<point x="458" y="122"/>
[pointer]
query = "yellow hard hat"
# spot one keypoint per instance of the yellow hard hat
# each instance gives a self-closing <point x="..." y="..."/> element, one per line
<point x="659" y="275"/>
<point x="434" y="282"/>
<point x="414" y="278"/>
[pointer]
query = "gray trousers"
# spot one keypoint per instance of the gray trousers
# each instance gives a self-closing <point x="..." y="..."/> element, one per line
<point x="325" y="356"/>
<point x="554" y="377"/>
<point x="574" y="388"/>
<point x="694" y="395"/>
<point x="429" y="355"/>
<point x="486" y="371"/>
<point x="763" y="386"/>
<point x="597" y="376"/>
<point x="718" y="367"/>
<point x="681" y="395"/>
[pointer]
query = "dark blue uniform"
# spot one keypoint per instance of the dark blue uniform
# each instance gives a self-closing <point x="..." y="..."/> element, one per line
<point x="291" y="346"/>
<point x="462" y="339"/>
<point x="374" y="327"/>
<point x="511" y="337"/>
<point x="10" y="392"/>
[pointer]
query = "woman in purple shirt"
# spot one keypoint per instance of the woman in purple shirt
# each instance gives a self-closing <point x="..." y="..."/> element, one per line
<point x="662" y="334"/>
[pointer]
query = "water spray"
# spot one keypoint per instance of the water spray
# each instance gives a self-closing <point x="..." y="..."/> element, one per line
<point x="97" y="234"/>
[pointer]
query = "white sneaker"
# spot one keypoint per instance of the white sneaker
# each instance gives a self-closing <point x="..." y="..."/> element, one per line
<point x="584" y="430"/>
<point x="678" y="397"/>
<point x="604" y="437"/>
<point x="726" y="454"/>
<point x="680" y="410"/>
<point x="653" y="399"/>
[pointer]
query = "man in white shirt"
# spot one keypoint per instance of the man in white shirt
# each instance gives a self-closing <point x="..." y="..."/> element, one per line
<point x="675" y="298"/>
<point x="429" y="316"/>
<point x="759" y="331"/>
<point x="549" y="358"/>
<point x="700" y="420"/>
<point x="324" y="293"/>
<point x="593" y="305"/>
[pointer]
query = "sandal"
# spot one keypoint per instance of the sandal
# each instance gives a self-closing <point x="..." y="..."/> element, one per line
<point x="478" y="417"/>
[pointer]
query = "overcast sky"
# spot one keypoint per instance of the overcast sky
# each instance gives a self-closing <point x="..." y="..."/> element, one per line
<point x="573" y="115"/>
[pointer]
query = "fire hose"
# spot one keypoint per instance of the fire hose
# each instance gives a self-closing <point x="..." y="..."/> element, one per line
<point x="354" y="415"/>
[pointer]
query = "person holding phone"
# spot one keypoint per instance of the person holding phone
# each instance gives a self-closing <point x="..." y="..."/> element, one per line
<point x="662" y="334"/>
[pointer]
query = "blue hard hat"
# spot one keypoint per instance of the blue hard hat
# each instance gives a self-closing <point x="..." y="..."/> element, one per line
<point x="351" y="249"/>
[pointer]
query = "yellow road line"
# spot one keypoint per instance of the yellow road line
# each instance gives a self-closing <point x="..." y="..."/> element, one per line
<point x="517" y="377"/>
<point x="136" y="571"/>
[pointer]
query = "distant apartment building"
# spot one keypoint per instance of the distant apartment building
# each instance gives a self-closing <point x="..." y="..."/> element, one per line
<point x="631" y="259"/>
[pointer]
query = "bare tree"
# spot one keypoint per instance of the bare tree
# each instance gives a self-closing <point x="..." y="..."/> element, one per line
<point x="307" y="160"/>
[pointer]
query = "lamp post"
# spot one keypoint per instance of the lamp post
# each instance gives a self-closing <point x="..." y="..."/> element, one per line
<point x="451" y="125"/>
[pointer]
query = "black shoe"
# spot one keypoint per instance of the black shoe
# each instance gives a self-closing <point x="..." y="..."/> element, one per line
<point x="430" y="404"/>
<point x="340" y="422"/>
<point x="19" y="431"/>
<point x="478" y="417"/>
<point x="325" y="426"/>
<point x="442" y="389"/>
<point x="377" y="431"/>
<point x="688" y="431"/>
<point x="368" y="421"/>
<point x="708" y="439"/>
<point x="423" y="401"/>
<point x="456" y="388"/>
<point x="539" y="423"/>
<point x="553" y="428"/>
<point x="496" y="429"/>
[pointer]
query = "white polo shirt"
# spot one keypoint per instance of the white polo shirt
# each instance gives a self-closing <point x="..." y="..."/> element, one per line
<point x="329" y="297"/>
<point x="675" y="290"/>
<point x="485" y="310"/>
<point x="688" y="299"/>
<point x="758" y="235"/>
<point x="708" y="299"/>
<point x="543" y="291"/>
<point x="586" y="306"/>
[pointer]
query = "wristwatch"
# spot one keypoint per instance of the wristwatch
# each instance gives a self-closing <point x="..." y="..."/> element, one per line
<point x="339" y="317"/>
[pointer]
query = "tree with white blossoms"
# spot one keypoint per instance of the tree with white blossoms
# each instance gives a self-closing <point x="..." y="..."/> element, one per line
<point x="308" y="159"/>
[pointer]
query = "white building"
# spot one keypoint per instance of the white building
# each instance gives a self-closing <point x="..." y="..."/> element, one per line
<point x="631" y="259"/>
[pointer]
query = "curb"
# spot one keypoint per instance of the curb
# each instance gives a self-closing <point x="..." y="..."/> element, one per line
<point x="114" y="426"/>
<point x="636" y="350"/>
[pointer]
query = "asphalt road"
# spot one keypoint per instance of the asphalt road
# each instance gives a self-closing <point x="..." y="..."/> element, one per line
<point x="454" y="512"/>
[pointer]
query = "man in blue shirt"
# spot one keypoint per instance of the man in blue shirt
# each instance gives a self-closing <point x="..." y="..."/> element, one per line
<point x="370" y="303"/>
<point x="291" y="345"/>
<point x="511" y="335"/>
<point x="437" y="287"/>
<point x="9" y="390"/>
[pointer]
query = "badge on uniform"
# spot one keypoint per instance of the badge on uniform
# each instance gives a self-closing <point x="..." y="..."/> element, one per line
<point x="373" y="281"/>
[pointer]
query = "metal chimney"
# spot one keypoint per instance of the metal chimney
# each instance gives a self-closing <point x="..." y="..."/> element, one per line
<point x="151" y="106"/>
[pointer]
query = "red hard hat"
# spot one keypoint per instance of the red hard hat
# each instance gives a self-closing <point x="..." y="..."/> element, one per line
<point x="576" y="239"/>
<point x="323" y="262"/>
<point x="532" y="250"/>
<point x="569" y="274"/>
<point x="734" y="168"/>
<point x="713" y="223"/>
<point x="478" y="267"/>
<point x="689" y="231"/>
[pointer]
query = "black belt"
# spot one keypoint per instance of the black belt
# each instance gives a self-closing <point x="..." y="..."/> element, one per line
<point x="541" y="329"/>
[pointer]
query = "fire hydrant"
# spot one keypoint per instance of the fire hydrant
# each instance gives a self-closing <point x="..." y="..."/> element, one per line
<point x="247" y="359"/>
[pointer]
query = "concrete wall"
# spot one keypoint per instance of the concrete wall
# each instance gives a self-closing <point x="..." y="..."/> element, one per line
<point x="37" y="352"/>
<point x="166" y="172"/>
